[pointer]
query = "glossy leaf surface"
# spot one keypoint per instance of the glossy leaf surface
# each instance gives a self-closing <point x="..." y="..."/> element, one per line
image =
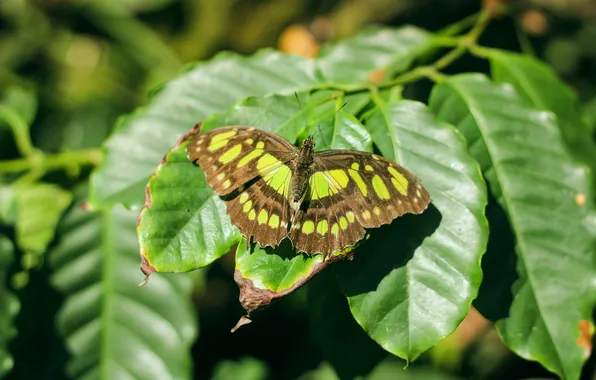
<point x="113" y="328"/>
<point x="546" y="196"/>
<point x="401" y="284"/>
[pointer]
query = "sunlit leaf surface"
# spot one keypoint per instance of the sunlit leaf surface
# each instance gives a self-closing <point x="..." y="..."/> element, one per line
<point x="413" y="281"/>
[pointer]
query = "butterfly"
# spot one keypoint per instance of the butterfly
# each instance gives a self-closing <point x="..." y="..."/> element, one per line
<point x="322" y="201"/>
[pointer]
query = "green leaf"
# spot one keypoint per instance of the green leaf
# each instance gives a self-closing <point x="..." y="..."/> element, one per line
<point x="348" y="133"/>
<point x="36" y="210"/>
<point x="547" y="196"/>
<point x="374" y="55"/>
<point x="412" y="283"/>
<point x="9" y="306"/>
<point x="540" y="86"/>
<point x="184" y="225"/>
<point x="246" y="368"/>
<point x="113" y="328"/>
<point x="275" y="270"/>
<point x="141" y="139"/>
<point x="22" y="100"/>
<point x="7" y="204"/>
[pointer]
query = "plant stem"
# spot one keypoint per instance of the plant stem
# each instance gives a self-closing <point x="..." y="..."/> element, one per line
<point x="462" y="45"/>
<point x="459" y="26"/>
<point x="466" y="42"/>
<point x="19" y="129"/>
<point x="41" y="163"/>
<point x="524" y="42"/>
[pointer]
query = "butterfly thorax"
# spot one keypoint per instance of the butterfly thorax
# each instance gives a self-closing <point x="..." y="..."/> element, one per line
<point x="301" y="172"/>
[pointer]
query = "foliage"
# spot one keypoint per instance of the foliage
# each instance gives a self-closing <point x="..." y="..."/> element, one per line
<point x="506" y="155"/>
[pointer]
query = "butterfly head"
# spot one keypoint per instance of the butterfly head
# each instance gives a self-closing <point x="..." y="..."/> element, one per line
<point x="309" y="143"/>
<point x="307" y="153"/>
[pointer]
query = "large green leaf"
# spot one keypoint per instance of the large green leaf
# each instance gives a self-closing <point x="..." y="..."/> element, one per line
<point x="141" y="139"/>
<point x="113" y="328"/>
<point x="547" y="196"/>
<point x="416" y="281"/>
<point x="9" y="306"/>
<point x="539" y="84"/>
<point x="373" y="55"/>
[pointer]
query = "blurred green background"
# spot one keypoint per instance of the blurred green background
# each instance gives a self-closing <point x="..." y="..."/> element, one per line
<point x="71" y="67"/>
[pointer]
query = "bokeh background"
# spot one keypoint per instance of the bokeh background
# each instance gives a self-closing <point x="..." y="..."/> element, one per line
<point x="72" y="67"/>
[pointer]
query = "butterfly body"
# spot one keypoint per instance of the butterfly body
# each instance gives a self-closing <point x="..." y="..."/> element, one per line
<point x="301" y="172"/>
<point x="322" y="201"/>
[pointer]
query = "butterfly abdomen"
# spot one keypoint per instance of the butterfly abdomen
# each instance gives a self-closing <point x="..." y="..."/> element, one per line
<point x="299" y="187"/>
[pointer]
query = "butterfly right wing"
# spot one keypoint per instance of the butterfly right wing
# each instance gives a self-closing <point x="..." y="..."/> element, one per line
<point x="350" y="191"/>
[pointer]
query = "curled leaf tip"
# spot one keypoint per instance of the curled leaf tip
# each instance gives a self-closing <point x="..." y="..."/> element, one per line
<point x="193" y="131"/>
<point x="251" y="297"/>
<point x="144" y="282"/>
<point x="146" y="268"/>
<point x="244" y="320"/>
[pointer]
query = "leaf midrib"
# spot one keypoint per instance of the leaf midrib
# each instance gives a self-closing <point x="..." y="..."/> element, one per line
<point x="521" y="242"/>
<point x="528" y="88"/>
<point x="107" y="280"/>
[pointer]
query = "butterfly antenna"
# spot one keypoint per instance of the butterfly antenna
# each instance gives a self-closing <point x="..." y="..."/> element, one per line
<point x="304" y="121"/>
<point x="298" y="99"/>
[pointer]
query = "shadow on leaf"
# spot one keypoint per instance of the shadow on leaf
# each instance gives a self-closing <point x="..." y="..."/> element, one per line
<point x="388" y="248"/>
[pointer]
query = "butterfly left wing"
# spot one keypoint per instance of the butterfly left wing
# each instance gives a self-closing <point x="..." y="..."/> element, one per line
<point x="232" y="156"/>
<point x="249" y="167"/>
<point x="348" y="192"/>
<point x="260" y="209"/>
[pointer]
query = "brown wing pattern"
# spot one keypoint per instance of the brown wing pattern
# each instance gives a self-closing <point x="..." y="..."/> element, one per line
<point x="260" y="211"/>
<point x="229" y="155"/>
<point x="363" y="191"/>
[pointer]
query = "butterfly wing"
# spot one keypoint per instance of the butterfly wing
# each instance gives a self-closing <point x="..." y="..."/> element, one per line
<point x="348" y="192"/>
<point x="232" y="156"/>
<point x="251" y="169"/>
